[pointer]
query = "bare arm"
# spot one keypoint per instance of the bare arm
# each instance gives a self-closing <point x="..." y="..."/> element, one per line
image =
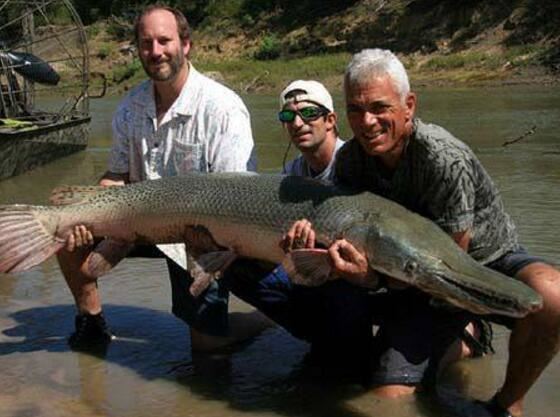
<point x="463" y="239"/>
<point x="110" y="179"/>
<point x="82" y="236"/>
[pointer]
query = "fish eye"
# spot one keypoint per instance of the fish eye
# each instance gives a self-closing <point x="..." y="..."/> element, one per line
<point x="410" y="267"/>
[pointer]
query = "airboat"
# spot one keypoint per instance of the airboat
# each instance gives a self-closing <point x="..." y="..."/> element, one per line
<point x="44" y="76"/>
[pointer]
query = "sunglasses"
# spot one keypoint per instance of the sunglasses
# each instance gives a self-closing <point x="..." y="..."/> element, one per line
<point x="307" y="114"/>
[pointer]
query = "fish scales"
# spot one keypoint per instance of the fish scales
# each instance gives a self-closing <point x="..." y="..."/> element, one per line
<point x="248" y="213"/>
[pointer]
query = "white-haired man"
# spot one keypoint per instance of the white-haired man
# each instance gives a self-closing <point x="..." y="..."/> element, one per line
<point x="426" y="169"/>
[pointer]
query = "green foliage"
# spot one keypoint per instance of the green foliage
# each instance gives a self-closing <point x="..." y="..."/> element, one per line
<point x="247" y="21"/>
<point x="224" y="8"/>
<point x="254" y="8"/>
<point x="219" y="20"/>
<point x="106" y="50"/>
<point x="119" y="29"/>
<point x="60" y="15"/>
<point x="93" y="30"/>
<point x="269" y="48"/>
<point x="57" y="14"/>
<point x="195" y="10"/>
<point x="100" y="10"/>
<point x="467" y="60"/>
<point x="274" y="75"/>
<point x="445" y="62"/>
<point x="10" y="30"/>
<point x="125" y="72"/>
<point x="212" y="10"/>
<point x="524" y="54"/>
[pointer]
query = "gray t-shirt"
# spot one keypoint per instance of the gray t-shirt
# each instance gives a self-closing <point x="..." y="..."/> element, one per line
<point x="301" y="168"/>
<point x="440" y="178"/>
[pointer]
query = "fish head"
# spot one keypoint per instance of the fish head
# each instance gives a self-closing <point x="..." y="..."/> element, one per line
<point x="420" y="254"/>
<point x="474" y="287"/>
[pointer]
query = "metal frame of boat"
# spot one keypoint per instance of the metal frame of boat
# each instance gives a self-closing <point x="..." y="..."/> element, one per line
<point x="32" y="136"/>
<point x="24" y="149"/>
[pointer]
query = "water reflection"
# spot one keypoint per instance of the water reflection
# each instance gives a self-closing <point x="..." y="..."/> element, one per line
<point x="149" y="369"/>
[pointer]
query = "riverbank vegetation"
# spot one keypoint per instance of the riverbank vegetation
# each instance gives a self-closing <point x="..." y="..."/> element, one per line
<point x="256" y="46"/>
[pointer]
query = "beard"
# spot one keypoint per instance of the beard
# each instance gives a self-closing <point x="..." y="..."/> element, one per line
<point x="165" y="72"/>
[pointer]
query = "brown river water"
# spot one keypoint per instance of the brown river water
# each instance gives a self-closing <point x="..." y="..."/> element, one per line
<point x="149" y="370"/>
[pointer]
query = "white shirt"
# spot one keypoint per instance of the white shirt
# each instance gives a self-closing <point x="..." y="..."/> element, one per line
<point x="301" y="168"/>
<point x="206" y="129"/>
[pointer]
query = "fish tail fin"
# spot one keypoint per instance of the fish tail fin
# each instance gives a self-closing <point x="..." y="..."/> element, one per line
<point x="25" y="240"/>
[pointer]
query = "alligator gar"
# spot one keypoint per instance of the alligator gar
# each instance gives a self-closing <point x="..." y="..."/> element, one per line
<point x="224" y="215"/>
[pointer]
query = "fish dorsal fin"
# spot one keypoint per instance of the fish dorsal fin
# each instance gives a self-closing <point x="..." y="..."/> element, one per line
<point x="66" y="195"/>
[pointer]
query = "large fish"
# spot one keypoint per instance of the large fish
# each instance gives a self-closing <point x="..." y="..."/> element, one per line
<point x="221" y="216"/>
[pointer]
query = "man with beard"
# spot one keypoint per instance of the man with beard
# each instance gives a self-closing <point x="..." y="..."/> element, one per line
<point x="176" y="122"/>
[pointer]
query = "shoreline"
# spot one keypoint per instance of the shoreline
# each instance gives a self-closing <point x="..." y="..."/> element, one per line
<point x="251" y="76"/>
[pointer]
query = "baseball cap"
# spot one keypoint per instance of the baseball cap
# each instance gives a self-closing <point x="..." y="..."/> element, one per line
<point x="307" y="90"/>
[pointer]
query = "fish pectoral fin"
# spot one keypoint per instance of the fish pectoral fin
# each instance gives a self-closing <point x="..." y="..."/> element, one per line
<point x="207" y="267"/>
<point x="216" y="261"/>
<point x="66" y="195"/>
<point x="105" y="256"/>
<point x="309" y="267"/>
<point x="206" y="259"/>
<point x="200" y="241"/>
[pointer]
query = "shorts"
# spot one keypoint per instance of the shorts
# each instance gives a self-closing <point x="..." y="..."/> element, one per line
<point x="413" y="335"/>
<point x="510" y="264"/>
<point x="207" y="313"/>
<point x="514" y="261"/>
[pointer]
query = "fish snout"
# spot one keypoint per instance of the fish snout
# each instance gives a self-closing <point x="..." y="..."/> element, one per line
<point x="535" y="305"/>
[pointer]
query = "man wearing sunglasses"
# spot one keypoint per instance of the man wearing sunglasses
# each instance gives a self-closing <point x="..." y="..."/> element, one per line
<point x="307" y="114"/>
<point x="333" y="317"/>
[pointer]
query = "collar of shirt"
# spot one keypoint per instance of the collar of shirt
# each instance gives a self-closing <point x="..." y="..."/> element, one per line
<point x="184" y="104"/>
